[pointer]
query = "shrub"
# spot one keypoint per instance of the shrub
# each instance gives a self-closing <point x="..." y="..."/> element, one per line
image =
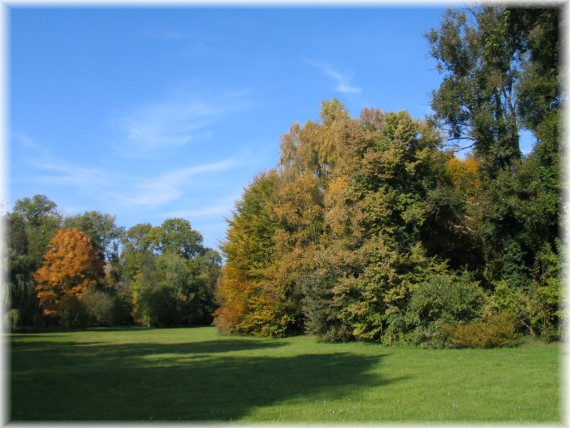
<point x="496" y="330"/>
<point x="321" y="314"/>
<point x="428" y="336"/>
<point x="441" y="300"/>
<point x="535" y="307"/>
<point x="101" y="307"/>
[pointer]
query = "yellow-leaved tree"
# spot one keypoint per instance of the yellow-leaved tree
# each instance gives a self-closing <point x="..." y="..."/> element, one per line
<point x="71" y="266"/>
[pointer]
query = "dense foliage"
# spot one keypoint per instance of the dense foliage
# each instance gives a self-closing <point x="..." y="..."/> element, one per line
<point x="381" y="228"/>
<point x="438" y="231"/>
<point x="71" y="267"/>
<point x="85" y="270"/>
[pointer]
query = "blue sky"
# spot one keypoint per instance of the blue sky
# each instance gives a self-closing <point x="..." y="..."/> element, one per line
<point x="150" y="113"/>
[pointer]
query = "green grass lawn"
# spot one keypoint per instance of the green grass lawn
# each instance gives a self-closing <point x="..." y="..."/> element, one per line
<point x="196" y="374"/>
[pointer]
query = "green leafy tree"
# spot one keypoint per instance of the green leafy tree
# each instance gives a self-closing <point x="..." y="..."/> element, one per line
<point x="190" y="289"/>
<point x="42" y="220"/>
<point x="536" y="31"/>
<point x="136" y="242"/>
<point x="141" y="285"/>
<point x="30" y="227"/>
<point x="103" y="308"/>
<point x="169" y="273"/>
<point x="477" y="98"/>
<point x="101" y="228"/>
<point x="322" y="314"/>
<point x="177" y="236"/>
<point x="376" y="210"/>
<point x="24" y="309"/>
<point x="206" y="272"/>
<point x="502" y="75"/>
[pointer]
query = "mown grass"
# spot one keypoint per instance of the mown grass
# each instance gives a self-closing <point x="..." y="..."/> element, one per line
<point x="196" y="375"/>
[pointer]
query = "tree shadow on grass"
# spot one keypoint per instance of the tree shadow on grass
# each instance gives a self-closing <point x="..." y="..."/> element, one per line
<point x="95" y="351"/>
<point x="202" y="381"/>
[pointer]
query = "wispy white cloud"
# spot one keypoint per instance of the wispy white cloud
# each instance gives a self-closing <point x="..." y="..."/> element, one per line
<point x="342" y="79"/>
<point x="25" y="140"/>
<point x="223" y="207"/>
<point x="162" y="126"/>
<point x="166" y="125"/>
<point x="50" y="170"/>
<point x="61" y="173"/>
<point x="122" y="190"/>
<point x="167" y="187"/>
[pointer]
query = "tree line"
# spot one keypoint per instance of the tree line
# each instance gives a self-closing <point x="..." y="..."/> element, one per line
<point x="382" y="227"/>
<point x="437" y="232"/>
<point x="85" y="270"/>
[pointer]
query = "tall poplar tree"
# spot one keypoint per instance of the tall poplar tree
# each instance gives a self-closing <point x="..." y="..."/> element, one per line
<point x="502" y="76"/>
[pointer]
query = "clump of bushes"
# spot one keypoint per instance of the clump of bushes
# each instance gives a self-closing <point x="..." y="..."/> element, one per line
<point x="452" y="310"/>
<point x="100" y="308"/>
<point x="496" y="330"/>
<point x="440" y="301"/>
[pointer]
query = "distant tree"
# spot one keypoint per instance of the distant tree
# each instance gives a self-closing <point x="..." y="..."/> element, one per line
<point x="105" y="237"/>
<point x="136" y="243"/>
<point x="176" y="236"/>
<point x="101" y="228"/>
<point x="191" y="297"/>
<point x="102" y="308"/>
<point x="171" y="290"/>
<point x="70" y="268"/>
<point x="21" y="266"/>
<point x="41" y="220"/>
<point x="206" y="272"/>
<point x="170" y="275"/>
<point x="30" y="227"/>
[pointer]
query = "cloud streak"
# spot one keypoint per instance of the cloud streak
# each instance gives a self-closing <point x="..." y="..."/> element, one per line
<point x="56" y="172"/>
<point x="223" y="207"/>
<point x="170" y="186"/>
<point x="342" y="79"/>
<point x="147" y="192"/>
<point x="166" y="125"/>
<point x="161" y="127"/>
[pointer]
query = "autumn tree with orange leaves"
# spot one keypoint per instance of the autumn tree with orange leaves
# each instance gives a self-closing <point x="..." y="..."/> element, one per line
<point x="71" y="266"/>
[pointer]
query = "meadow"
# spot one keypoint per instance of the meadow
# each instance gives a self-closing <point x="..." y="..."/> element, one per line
<point x="194" y="374"/>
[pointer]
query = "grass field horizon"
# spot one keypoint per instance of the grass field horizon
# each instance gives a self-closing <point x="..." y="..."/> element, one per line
<point x="195" y="374"/>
